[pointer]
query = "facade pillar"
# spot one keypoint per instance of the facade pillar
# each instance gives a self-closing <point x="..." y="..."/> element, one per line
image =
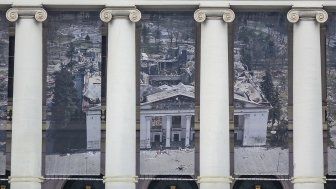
<point x="26" y="150"/>
<point x="148" y="133"/>
<point x="188" y="127"/>
<point x="121" y="98"/>
<point x="307" y="98"/>
<point x="214" y="97"/>
<point x="168" y="130"/>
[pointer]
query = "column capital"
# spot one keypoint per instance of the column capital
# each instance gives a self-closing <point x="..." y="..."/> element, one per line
<point x="318" y="14"/>
<point x="148" y="118"/>
<point x="188" y="116"/>
<point x="38" y="13"/>
<point x="214" y="13"/>
<point x="108" y="13"/>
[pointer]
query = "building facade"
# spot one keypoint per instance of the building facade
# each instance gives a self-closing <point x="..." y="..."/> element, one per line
<point x="167" y="94"/>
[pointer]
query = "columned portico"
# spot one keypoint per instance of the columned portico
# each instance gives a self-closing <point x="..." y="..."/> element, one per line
<point x="214" y="97"/>
<point x="307" y="98"/>
<point x="26" y="148"/>
<point x="121" y="98"/>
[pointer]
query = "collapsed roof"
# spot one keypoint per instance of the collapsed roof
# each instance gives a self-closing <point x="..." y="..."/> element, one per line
<point x="245" y="89"/>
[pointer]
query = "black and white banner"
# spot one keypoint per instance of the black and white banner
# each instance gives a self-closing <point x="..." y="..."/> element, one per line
<point x="331" y="91"/>
<point x="4" y="53"/>
<point x="260" y="94"/>
<point x="167" y="93"/>
<point x="73" y="93"/>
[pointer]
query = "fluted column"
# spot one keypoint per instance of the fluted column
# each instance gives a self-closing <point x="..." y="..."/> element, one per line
<point x="307" y="98"/>
<point x="120" y="97"/>
<point x="26" y="150"/>
<point x="214" y="98"/>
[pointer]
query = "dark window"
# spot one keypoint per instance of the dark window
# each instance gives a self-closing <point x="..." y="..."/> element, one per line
<point x="11" y="66"/>
<point x="176" y="121"/>
<point x="103" y="69"/>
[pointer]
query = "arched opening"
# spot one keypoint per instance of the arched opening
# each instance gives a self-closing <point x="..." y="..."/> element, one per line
<point x="173" y="184"/>
<point x="84" y="184"/>
<point x="3" y="183"/>
<point x="255" y="184"/>
<point x="330" y="184"/>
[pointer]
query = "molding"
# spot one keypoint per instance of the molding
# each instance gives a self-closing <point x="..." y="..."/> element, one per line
<point x="214" y="179"/>
<point x="192" y="4"/>
<point x="133" y="14"/>
<point x="305" y="179"/>
<point x="127" y="179"/>
<point x="13" y="14"/>
<point x="241" y="5"/>
<point x="319" y="15"/>
<point x="202" y="14"/>
<point x="25" y="179"/>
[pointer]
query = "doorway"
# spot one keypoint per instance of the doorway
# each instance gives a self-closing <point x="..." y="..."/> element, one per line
<point x="84" y="184"/>
<point x="173" y="184"/>
<point x="255" y="184"/>
<point x="330" y="184"/>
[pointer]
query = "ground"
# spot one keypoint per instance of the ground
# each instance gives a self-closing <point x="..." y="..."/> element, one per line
<point x="167" y="162"/>
<point x="332" y="153"/>
<point x="265" y="161"/>
<point x="73" y="164"/>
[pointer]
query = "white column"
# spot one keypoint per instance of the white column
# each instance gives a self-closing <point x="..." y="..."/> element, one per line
<point x="188" y="126"/>
<point x="120" y="97"/>
<point x="168" y="130"/>
<point x="148" y="133"/>
<point x="214" y="98"/>
<point x="26" y="150"/>
<point x="307" y="98"/>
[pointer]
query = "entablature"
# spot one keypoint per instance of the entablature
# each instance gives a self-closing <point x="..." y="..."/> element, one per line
<point x="239" y="5"/>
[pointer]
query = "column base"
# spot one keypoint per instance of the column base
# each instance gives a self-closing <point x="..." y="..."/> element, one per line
<point x="26" y="182"/>
<point x="25" y="185"/>
<point x="215" y="182"/>
<point x="309" y="182"/>
<point x="124" y="182"/>
<point x="116" y="185"/>
<point x="215" y="186"/>
<point x="308" y="186"/>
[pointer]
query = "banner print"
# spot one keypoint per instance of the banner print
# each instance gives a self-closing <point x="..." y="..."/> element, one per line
<point x="73" y="93"/>
<point x="331" y="91"/>
<point x="167" y="94"/>
<point x="4" y="53"/>
<point x="260" y="94"/>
